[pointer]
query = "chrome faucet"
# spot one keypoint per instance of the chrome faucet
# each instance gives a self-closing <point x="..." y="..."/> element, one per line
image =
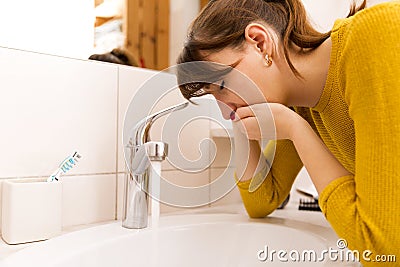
<point x="140" y="152"/>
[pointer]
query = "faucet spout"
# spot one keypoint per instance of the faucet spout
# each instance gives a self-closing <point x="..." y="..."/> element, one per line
<point x="141" y="152"/>
<point x="140" y="133"/>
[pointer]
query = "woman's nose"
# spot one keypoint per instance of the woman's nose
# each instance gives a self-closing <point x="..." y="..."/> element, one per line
<point x="226" y="109"/>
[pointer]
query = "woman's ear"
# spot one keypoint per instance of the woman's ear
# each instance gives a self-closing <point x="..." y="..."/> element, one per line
<point x="258" y="36"/>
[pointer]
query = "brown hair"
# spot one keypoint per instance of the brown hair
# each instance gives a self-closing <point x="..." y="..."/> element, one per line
<point x="222" y="23"/>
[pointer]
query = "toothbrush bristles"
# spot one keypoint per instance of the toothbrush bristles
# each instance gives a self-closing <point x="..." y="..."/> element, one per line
<point x="69" y="162"/>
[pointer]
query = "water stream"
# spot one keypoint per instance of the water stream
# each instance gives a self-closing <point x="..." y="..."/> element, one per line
<point x="155" y="175"/>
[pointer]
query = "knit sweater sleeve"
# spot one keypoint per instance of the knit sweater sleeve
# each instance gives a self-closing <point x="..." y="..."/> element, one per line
<point x="276" y="186"/>
<point x="363" y="208"/>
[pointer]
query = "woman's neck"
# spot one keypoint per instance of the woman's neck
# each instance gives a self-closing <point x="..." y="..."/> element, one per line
<point x="314" y="69"/>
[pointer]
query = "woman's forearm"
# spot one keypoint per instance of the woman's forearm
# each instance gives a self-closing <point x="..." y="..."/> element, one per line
<point x="247" y="171"/>
<point x="248" y="157"/>
<point x="320" y="163"/>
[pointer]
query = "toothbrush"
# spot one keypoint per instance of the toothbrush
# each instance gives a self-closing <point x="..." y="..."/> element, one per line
<point x="65" y="166"/>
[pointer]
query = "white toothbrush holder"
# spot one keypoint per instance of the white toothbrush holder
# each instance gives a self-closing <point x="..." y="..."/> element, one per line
<point x="31" y="210"/>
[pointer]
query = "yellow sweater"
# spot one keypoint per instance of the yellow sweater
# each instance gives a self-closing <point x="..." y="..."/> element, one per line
<point x="358" y="118"/>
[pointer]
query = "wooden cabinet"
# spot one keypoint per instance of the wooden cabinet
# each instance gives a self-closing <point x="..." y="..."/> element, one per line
<point x="146" y="27"/>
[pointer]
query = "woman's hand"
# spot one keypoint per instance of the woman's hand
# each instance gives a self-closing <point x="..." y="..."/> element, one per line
<point x="270" y="121"/>
<point x="257" y="121"/>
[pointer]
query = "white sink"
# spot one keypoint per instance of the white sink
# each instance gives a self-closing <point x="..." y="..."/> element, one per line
<point x="180" y="240"/>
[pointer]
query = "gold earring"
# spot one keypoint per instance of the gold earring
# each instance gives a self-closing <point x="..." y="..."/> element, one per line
<point x="268" y="60"/>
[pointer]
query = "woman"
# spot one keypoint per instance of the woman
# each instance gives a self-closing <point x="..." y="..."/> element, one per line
<point x="335" y="100"/>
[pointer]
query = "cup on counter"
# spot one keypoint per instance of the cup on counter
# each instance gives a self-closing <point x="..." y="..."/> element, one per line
<point x="31" y="210"/>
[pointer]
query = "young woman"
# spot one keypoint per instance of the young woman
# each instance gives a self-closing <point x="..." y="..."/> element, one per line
<point x="335" y="101"/>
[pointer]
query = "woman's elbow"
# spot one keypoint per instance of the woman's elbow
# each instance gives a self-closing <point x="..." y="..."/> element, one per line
<point x="258" y="213"/>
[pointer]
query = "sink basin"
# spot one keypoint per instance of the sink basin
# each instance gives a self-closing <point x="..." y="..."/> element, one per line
<point x="178" y="240"/>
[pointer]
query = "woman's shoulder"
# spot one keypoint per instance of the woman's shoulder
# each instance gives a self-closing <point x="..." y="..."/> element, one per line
<point x="370" y="17"/>
<point x="368" y="58"/>
<point x="376" y="24"/>
<point x="376" y="15"/>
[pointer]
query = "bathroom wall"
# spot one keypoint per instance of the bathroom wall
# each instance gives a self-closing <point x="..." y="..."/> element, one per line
<point x="51" y="105"/>
<point x="48" y="26"/>
<point x="182" y="12"/>
<point x="324" y="13"/>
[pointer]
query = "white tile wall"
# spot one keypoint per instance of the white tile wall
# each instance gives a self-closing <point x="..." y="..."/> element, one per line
<point x="183" y="134"/>
<point x="120" y="194"/>
<point x="88" y="199"/>
<point x="129" y="82"/>
<point x="52" y="105"/>
<point x="1" y="190"/>
<point x="180" y="179"/>
<point x="184" y="189"/>
<point x="224" y="152"/>
<point x="225" y="191"/>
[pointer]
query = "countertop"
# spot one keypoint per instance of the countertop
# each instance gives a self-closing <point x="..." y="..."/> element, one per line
<point x="290" y="216"/>
<point x="312" y="219"/>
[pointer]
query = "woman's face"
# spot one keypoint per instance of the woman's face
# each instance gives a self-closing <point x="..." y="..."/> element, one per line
<point x="248" y="83"/>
